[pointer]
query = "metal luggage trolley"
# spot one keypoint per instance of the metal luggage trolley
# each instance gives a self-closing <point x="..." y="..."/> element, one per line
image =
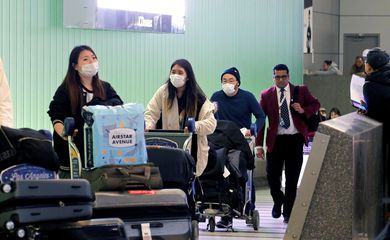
<point x="210" y="209"/>
<point x="254" y="218"/>
<point x="171" y="138"/>
<point x="168" y="148"/>
<point x="168" y="138"/>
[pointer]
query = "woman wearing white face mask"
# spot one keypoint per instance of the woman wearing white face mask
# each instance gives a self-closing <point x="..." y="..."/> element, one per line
<point x="80" y="87"/>
<point x="177" y="100"/>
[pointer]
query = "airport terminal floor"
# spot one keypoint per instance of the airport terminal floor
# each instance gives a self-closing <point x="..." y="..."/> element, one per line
<point x="270" y="228"/>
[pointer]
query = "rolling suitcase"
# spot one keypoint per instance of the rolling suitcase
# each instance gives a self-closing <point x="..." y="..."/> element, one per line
<point x="155" y="214"/>
<point x="34" y="201"/>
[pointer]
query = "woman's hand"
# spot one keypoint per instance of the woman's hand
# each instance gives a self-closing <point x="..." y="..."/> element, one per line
<point x="59" y="129"/>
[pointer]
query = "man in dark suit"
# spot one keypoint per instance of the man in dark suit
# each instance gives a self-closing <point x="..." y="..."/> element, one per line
<point x="286" y="134"/>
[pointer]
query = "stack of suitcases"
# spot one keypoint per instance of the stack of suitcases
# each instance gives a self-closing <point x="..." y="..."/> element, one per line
<point x="53" y="209"/>
<point x="123" y="179"/>
<point x="148" y="214"/>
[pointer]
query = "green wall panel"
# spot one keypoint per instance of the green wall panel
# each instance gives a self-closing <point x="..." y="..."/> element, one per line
<point x="252" y="35"/>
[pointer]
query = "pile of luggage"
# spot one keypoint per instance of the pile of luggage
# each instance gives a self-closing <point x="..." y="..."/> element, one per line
<point x="120" y="200"/>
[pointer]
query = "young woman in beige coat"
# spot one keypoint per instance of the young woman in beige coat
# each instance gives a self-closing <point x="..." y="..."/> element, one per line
<point x="177" y="100"/>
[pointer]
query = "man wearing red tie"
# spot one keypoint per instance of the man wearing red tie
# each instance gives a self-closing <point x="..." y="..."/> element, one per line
<point x="286" y="134"/>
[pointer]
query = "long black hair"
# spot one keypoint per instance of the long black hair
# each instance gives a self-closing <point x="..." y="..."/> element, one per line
<point x="72" y="80"/>
<point x="193" y="93"/>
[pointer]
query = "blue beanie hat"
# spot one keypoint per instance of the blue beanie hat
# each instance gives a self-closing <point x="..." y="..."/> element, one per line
<point x="233" y="71"/>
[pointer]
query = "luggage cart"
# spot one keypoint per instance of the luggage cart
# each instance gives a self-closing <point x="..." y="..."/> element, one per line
<point x="143" y="200"/>
<point x="215" y="206"/>
<point x="172" y="138"/>
<point x="168" y="138"/>
<point x="162" y="145"/>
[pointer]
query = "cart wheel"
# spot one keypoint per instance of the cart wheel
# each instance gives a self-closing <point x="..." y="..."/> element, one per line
<point x="248" y="221"/>
<point x="195" y="230"/>
<point x="211" y="225"/>
<point x="256" y="220"/>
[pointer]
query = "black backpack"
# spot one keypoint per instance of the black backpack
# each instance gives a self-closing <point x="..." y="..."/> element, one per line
<point x="25" y="145"/>
<point x="314" y="120"/>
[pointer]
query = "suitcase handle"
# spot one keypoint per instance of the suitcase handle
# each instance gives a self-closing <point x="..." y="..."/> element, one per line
<point x="152" y="225"/>
<point x="146" y="176"/>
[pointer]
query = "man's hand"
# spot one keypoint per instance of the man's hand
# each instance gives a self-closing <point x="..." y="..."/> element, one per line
<point x="363" y="109"/>
<point x="297" y="107"/>
<point x="259" y="152"/>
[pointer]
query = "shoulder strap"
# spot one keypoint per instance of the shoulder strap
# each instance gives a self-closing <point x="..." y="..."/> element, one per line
<point x="295" y="93"/>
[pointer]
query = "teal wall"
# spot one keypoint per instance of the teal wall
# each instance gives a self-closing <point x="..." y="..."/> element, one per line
<point x="252" y="35"/>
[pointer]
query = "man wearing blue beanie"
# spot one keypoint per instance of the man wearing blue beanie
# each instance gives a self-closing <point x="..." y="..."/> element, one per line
<point x="236" y="105"/>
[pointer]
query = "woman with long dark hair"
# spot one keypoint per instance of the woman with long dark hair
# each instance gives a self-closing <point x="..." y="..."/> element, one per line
<point x="177" y="100"/>
<point x="81" y="86"/>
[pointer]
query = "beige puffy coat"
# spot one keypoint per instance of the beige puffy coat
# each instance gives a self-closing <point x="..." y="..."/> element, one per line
<point x="204" y="126"/>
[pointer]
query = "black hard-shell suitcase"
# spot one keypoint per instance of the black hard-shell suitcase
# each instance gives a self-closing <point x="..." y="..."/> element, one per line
<point x="36" y="191"/>
<point x="157" y="214"/>
<point x="94" y="229"/>
<point x="33" y="201"/>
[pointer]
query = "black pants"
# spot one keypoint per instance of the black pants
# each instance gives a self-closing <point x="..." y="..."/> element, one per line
<point x="288" y="151"/>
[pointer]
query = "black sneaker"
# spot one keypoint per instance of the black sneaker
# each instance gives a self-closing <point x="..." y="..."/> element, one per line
<point x="225" y="222"/>
<point x="277" y="210"/>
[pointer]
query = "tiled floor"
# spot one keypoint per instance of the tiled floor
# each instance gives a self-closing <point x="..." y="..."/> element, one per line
<point x="270" y="228"/>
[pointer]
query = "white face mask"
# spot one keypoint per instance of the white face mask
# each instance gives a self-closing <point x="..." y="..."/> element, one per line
<point x="177" y="80"/>
<point x="228" y="89"/>
<point x="89" y="70"/>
